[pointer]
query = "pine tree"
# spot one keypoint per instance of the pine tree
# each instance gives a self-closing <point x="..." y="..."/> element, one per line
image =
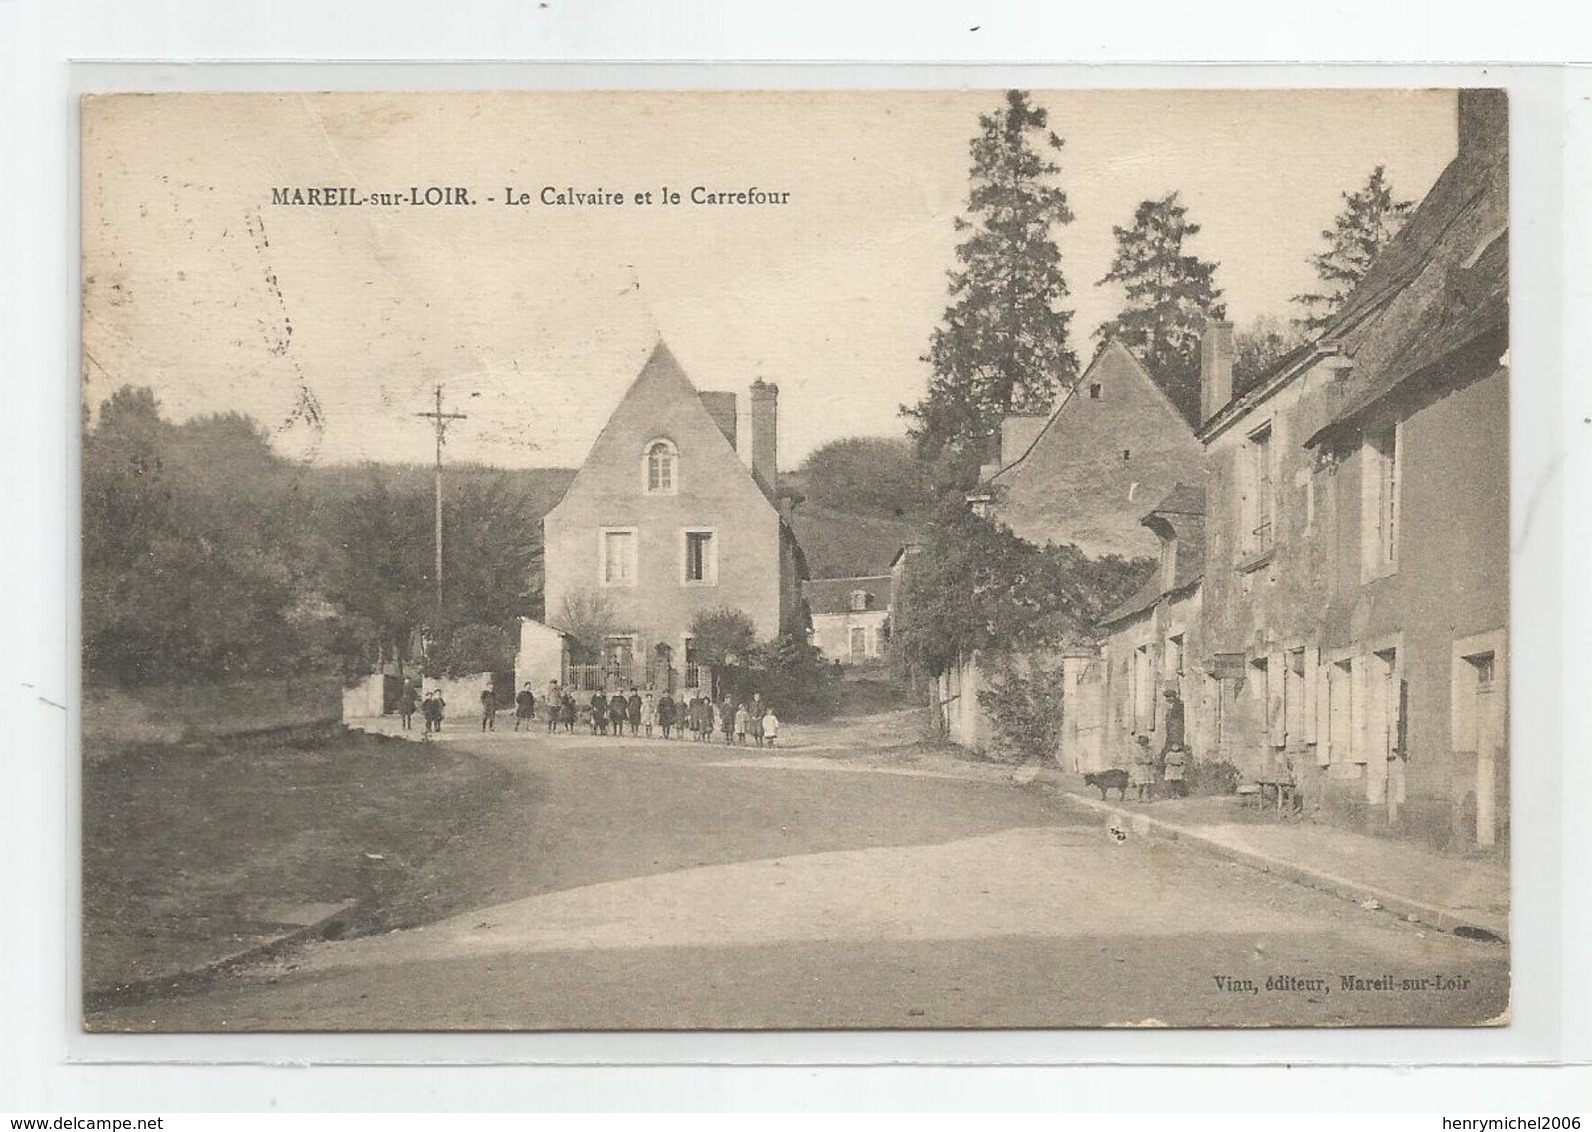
<point x="1002" y="346"/>
<point x="1370" y="219"/>
<point x="1170" y="295"/>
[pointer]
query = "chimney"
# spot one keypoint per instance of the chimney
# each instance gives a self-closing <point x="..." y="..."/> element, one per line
<point x="764" y="420"/>
<point x="721" y="407"/>
<point x="1216" y="368"/>
<point x="1484" y="123"/>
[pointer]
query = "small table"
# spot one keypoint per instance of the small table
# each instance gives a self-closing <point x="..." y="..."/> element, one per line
<point x="1284" y="788"/>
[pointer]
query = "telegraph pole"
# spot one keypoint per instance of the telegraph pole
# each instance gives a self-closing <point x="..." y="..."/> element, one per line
<point x="440" y="420"/>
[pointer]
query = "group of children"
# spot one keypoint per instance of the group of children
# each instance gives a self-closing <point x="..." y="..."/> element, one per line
<point x="432" y="708"/>
<point x="700" y="715"/>
<point x="643" y="714"/>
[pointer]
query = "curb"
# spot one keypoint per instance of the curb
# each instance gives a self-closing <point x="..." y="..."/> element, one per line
<point x="126" y="994"/>
<point x="1405" y="907"/>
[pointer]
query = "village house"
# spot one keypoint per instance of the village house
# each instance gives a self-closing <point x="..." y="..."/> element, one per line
<point x="1085" y="473"/>
<point x="851" y="616"/>
<point x="1355" y="590"/>
<point x="1151" y="645"/>
<point x="672" y="513"/>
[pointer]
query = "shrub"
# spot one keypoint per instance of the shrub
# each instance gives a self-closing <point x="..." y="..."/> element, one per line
<point x="474" y="648"/>
<point x="1024" y="703"/>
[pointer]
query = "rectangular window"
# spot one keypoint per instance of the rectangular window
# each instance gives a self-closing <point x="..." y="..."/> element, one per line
<point x="701" y="558"/>
<point x="617" y="551"/>
<point x="1175" y="656"/>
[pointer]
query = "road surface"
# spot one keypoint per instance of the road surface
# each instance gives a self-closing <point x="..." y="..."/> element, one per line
<point x="637" y="884"/>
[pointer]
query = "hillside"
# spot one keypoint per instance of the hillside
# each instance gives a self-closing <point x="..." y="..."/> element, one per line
<point x="839" y="542"/>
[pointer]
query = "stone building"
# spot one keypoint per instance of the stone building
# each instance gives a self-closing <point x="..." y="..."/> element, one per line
<point x="671" y="514"/>
<point x="1355" y="591"/>
<point x="1085" y="472"/>
<point x="851" y="616"/>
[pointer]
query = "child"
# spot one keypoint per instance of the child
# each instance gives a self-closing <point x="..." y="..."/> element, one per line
<point x="566" y="713"/>
<point x="666" y="714"/>
<point x="524" y="707"/>
<point x="649" y="714"/>
<point x="618" y="709"/>
<point x="727" y="719"/>
<point x="488" y="710"/>
<point x="742" y="718"/>
<point x="1142" y="773"/>
<point x="770" y="726"/>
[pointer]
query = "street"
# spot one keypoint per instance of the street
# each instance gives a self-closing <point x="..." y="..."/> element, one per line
<point x="636" y="884"/>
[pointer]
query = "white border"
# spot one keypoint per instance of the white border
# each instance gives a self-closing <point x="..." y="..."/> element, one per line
<point x="1552" y="149"/>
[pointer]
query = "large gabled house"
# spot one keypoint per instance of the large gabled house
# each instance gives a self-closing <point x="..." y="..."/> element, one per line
<point x="673" y="512"/>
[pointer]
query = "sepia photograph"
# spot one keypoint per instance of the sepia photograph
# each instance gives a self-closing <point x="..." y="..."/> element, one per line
<point x="975" y="559"/>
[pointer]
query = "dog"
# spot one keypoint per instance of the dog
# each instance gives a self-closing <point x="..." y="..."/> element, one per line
<point x="1114" y="779"/>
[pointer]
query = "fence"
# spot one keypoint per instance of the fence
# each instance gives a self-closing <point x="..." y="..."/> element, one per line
<point x="617" y="677"/>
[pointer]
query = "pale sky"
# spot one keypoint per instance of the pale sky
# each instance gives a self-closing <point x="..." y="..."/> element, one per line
<point x="535" y="319"/>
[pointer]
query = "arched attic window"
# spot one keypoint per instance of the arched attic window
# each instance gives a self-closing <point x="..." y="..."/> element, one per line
<point x="660" y="468"/>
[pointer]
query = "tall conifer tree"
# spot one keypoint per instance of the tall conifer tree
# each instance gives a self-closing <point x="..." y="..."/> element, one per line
<point x="1170" y="294"/>
<point x="1002" y="346"/>
<point x="1371" y="217"/>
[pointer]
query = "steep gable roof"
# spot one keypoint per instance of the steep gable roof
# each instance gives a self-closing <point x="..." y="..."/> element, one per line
<point x="662" y="402"/>
<point x="1086" y="474"/>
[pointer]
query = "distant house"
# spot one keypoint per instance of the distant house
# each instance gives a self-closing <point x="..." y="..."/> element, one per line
<point x="672" y="513"/>
<point x="1085" y="472"/>
<point x="851" y="616"/>
<point x="1356" y="584"/>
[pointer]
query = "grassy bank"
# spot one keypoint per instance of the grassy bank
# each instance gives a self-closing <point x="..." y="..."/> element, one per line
<point x="194" y="852"/>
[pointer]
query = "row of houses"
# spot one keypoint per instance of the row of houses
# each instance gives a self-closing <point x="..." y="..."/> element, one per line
<point x="1331" y="605"/>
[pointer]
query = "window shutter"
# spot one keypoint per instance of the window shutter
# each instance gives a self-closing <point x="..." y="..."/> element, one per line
<point x="1357" y="710"/>
<point x="1312" y="733"/>
<point x="1276" y="698"/>
<point x="1323" y="705"/>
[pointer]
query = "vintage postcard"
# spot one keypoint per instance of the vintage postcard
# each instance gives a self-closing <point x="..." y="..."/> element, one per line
<point x="795" y="560"/>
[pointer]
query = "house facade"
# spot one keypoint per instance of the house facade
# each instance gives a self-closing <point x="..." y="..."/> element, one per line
<point x="851" y="616"/>
<point x="1355" y="590"/>
<point x="672" y="513"/>
<point x="1151" y="645"/>
<point x="1086" y="472"/>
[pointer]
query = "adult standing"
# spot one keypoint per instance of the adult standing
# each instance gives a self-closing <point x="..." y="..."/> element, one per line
<point x="599" y="713"/>
<point x="666" y="714"/>
<point x="488" y="709"/>
<point x="524" y="707"/>
<point x="566" y="712"/>
<point x="633" y="711"/>
<point x="727" y="719"/>
<point x="618" y="710"/>
<point x="555" y="705"/>
<point x="1174" y="752"/>
<point x="755" y="712"/>
<point x="407" y="702"/>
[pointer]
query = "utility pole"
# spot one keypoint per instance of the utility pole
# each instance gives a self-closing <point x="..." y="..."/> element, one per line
<point x="440" y="420"/>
